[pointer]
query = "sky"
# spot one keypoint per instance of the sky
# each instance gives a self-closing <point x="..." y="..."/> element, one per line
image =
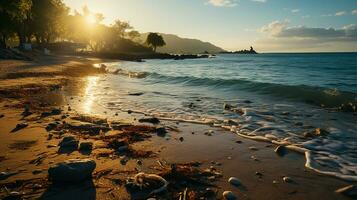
<point x="267" y="25"/>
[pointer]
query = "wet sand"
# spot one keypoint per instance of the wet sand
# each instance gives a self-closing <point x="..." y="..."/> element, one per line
<point x="226" y="153"/>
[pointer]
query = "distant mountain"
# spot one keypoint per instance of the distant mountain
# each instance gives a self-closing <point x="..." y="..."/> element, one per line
<point x="176" y="44"/>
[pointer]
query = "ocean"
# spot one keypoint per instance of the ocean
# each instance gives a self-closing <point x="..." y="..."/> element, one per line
<point x="292" y="99"/>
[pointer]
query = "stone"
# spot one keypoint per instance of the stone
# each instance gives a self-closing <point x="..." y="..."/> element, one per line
<point x="227" y="106"/>
<point x="56" y="111"/>
<point x="234" y="181"/>
<point x="72" y="171"/>
<point x="253" y="148"/>
<point x="36" y="171"/>
<point x="350" y="190"/>
<point x="229" y="195"/>
<point x="287" y="179"/>
<point x="69" y="142"/>
<point x="152" y="120"/>
<point x="280" y="150"/>
<point x="181" y="139"/>
<point x="161" y="131"/>
<point x="19" y="126"/>
<point x="86" y="146"/>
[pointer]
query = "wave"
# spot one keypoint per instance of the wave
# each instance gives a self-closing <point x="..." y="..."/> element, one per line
<point x="331" y="98"/>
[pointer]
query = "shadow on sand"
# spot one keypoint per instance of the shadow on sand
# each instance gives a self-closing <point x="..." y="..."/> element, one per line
<point x="85" y="190"/>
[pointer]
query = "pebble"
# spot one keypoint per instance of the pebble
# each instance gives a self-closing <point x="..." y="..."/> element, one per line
<point x="229" y="195"/>
<point x="287" y="179"/>
<point x="234" y="181"/>
<point x="253" y="148"/>
<point x="181" y="139"/>
<point x="36" y="171"/>
<point x="86" y="146"/>
<point x="258" y="174"/>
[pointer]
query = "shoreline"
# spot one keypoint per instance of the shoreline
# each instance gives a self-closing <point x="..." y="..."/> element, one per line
<point x="229" y="157"/>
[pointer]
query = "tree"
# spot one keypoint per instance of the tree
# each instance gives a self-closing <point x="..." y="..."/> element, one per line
<point x="13" y="14"/>
<point x="121" y="27"/>
<point x="155" y="40"/>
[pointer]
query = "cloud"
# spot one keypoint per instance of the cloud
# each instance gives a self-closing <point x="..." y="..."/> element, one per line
<point x="260" y="1"/>
<point x="354" y="12"/>
<point x="341" y="13"/>
<point x="223" y="3"/>
<point x="280" y="29"/>
<point x="295" y="10"/>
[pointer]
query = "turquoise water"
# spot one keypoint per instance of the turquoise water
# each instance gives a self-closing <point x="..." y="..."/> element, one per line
<point x="276" y="97"/>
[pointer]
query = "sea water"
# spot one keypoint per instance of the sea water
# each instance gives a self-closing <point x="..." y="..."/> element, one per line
<point x="274" y="97"/>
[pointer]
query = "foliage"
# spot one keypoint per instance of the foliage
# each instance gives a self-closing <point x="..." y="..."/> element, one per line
<point x="47" y="21"/>
<point x="155" y="40"/>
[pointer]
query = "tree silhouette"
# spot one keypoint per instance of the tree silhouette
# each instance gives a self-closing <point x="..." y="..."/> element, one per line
<point x="155" y="40"/>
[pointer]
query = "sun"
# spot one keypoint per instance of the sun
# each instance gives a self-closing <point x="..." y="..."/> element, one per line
<point x="90" y="19"/>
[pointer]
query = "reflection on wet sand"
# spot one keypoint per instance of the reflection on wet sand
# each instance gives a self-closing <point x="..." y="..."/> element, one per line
<point x="92" y="82"/>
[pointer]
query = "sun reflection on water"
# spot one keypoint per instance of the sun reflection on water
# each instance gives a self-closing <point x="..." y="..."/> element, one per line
<point x="90" y="97"/>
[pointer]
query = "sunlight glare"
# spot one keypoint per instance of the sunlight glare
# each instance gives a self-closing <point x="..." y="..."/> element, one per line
<point x="90" y="19"/>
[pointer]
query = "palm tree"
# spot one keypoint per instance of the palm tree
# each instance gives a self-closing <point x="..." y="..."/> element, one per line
<point x="155" y="40"/>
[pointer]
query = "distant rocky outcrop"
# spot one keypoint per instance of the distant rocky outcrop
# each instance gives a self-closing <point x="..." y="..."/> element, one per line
<point x="244" y="51"/>
<point x="178" y="45"/>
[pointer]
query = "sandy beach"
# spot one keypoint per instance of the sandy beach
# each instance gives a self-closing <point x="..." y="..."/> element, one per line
<point x="37" y="112"/>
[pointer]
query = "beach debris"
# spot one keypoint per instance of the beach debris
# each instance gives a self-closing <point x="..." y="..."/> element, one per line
<point x="86" y="146"/>
<point x="209" y="132"/>
<point x="350" y="190"/>
<point x="229" y="195"/>
<point x="281" y="150"/>
<point x="19" y="127"/>
<point x="38" y="160"/>
<point x="5" y="175"/>
<point x="152" y="120"/>
<point x="72" y="171"/>
<point x="146" y="185"/>
<point x="234" y="181"/>
<point x="287" y="179"/>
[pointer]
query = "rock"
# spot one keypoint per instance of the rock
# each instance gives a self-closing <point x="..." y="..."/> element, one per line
<point x="36" y="171"/>
<point x="229" y="195"/>
<point x="86" y="146"/>
<point x="253" y="148"/>
<point x="69" y="142"/>
<point x="152" y="120"/>
<point x="181" y="139"/>
<point x="161" y="131"/>
<point x="130" y="111"/>
<point x="19" y="126"/>
<point x="234" y="181"/>
<point x="348" y="107"/>
<point x="5" y="175"/>
<point x="258" y="174"/>
<point x="72" y="171"/>
<point x="56" y="111"/>
<point x="124" y="160"/>
<point x="227" y="106"/>
<point x="287" y="179"/>
<point x="280" y="150"/>
<point x="350" y="190"/>
<point x="238" y="141"/>
<point x="135" y="93"/>
<point x="51" y="126"/>
<point x="2" y="115"/>
<point x="49" y="137"/>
